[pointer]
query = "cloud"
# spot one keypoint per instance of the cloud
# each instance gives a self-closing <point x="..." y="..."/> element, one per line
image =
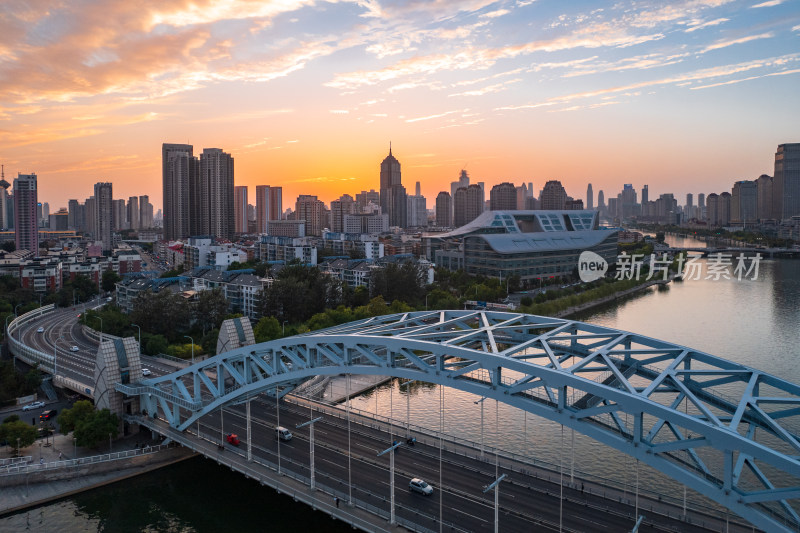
<point x="731" y="82"/>
<point x="701" y="25"/>
<point x="497" y="87"/>
<point x="496" y="13"/>
<point x="439" y="115"/>
<point x="730" y="42"/>
<point x="770" y="3"/>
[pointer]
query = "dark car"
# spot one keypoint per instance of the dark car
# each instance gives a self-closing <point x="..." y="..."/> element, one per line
<point x="50" y="414"/>
<point x="232" y="438"/>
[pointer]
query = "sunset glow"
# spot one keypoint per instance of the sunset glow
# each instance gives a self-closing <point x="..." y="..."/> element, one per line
<point x="306" y="94"/>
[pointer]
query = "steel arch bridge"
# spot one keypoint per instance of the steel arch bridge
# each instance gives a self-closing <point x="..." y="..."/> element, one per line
<point x="723" y="429"/>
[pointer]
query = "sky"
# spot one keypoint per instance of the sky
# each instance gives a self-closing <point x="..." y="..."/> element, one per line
<point x="685" y="96"/>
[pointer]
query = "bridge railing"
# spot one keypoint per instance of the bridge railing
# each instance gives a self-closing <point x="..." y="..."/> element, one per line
<point x="15" y="460"/>
<point x="31" y="466"/>
<point x="21" y="350"/>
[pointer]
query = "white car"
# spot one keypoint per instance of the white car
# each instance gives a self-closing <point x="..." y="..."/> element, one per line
<point x="146" y="372"/>
<point x="417" y="485"/>
<point x="40" y="330"/>
<point x="32" y="406"/>
<point x="74" y="349"/>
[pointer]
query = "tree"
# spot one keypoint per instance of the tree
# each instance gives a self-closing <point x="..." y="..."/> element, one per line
<point x="210" y="308"/>
<point x="109" y="280"/>
<point x="8" y="246"/>
<point x="155" y="344"/>
<point x="165" y="313"/>
<point x="17" y="434"/>
<point x="69" y="418"/>
<point x="403" y="282"/>
<point x="95" y="428"/>
<point x="267" y="329"/>
<point x="33" y="379"/>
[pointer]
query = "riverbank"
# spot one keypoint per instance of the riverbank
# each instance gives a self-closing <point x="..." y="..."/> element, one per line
<point x="61" y="470"/>
<point x="619" y="295"/>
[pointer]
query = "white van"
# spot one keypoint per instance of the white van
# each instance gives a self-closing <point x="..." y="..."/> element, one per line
<point x="283" y="433"/>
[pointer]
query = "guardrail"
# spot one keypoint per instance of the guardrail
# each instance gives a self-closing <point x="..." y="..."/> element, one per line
<point x="24" y="352"/>
<point x="81" y="461"/>
<point x="15" y="460"/>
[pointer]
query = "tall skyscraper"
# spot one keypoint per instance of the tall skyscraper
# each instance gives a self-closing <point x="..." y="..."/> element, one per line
<point x="417" y="190"/>
<point x="712" y="209"/>
<point x="786" y="183"/>
<point x="216" y="197"/>
<point x="689" y="200"/>
<point x="462" y="181"/>
<point x="522" y="197"/>
<point x="701" y="205"/>
<point x="240" y="208"/>
<point x="4" y="185"/>
<point x="133" y="212"/>
<point x="645" y="194"/>
<point x="310" y="209"/>
<point x="444" y="210"/>
<point x="90" y="216"/>
<point x="103" y="214"/>
<point x="269" y="206"/>
<point x="589" y="197"/>
<point x="340" y="208"/>
<point x="26" y="225"/>
<point x="764" y="194"/>
<point x="468" y="204"/>
<point x="393" y="194"/>
<point x="503" y="197"/>
<point x="417" y="211"/>
<point x="744" y="202"/>
<point x="119" y="215"/>
<point x="601" y="200"/>
<point x="364" y="198"/>
<point x="145" y="212"/>
<point x="178" y="166"/>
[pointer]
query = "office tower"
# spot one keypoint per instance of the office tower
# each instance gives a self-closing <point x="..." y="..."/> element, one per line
<point x="4" y="185"/>
<point x="133" y="213"/>
<point x="178" y="167"/>
<point x="145" y="212"/>
<point x="689" y="200"/>
<point x="46" y="211"/>
<point x="269" y="206"/>
<point x="312" y="211"/>
<point x="444" y="210"/>
<point x="744" y="202"/>
<point x="90" y="214"/>
<point x="72" y="209"/>
<point x="26" y="225"/>
<point x="468" y="204"/>
<point x="553" y="195"/>
<point x="364" y="198"/>
<point x="724" y="209"/>
<point x="103" y="214"/>
<point x="503" y="197"/>
<point x="645" y="194"/>
<point x="340" y="208"/>
<point x="589" y="197"/>
<point x="216" y="196"/>
<point x="530" y="189"/>
<point x="240" y="208"/>
<point x="764" y="197"/>
<point x="522" y="196"/>
<point x="462" y="181"/>
<point x="417" y="190"/>
<point x="119" y="215"/>
<point x="59" y="221"/>
<point x="417" y="211"/>
<point x="393" y="194"/>
<point x="39" y="213"/>
<point x="601" y="200"/>
<point x="701" y="205"/>
<point x="712" y="209"/>
<point x="786" y="183"/>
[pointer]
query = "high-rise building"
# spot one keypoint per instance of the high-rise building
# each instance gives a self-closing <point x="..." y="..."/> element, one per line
<point x="601" y="201"/>
<point x="364" y="198"/>
<point x="462" y="181"/>
<point x="553" y="196"/>
<point x="689" y="200"/>
<point x="418" y="190"/>
<point x="444" y="210"/>
<point x="4" y="185"/>
<point x="145" y="212"/>
<point x="503" y="197"/>
<point x="786" y="183"/>
<point x="26" y="225"/>
<point x="103" y="214"/>
<point x="393" y="194"/>
<point x="90" y="214"/>
<point x="240" y="208"/>
<point x="340" y="208"/>
<point x="417" y="211"/>
<point x="468" y="204"/>
<point x="764" y="195"/>
<point x="45" y="213"/>
<point x="311" y="210"/>
<point x="134" y="213"/>
<point x="645" y="195"/>
<point x="522" y="197"/>
<point x="178" y="168"/>
<point x="701" y="205"/>
<point x="269" y="206"/>
<point x="724" y="209"/>
<point x="712" y="209"/>
<point x="589" y="197"/>
<point x="744" y="202"/>
<point x="119" y="215"/>
<point x="216" y="196"/>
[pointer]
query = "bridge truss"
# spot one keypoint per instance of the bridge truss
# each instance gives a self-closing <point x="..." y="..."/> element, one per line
<point x="728" y="431"/>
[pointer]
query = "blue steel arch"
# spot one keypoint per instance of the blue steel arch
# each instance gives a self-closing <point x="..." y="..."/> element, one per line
<point x="726" y="430"/>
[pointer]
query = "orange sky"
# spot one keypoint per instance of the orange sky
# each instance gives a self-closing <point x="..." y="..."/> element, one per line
<point x="308" y="94"/>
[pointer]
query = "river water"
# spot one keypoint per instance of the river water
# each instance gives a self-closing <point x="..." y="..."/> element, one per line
<point x="754" y="322"/>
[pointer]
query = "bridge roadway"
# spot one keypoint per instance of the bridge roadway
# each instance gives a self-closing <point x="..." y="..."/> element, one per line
<point x="527" y="501"/>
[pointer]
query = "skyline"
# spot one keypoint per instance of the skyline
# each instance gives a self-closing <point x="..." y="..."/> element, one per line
<point x="307" y="95"/>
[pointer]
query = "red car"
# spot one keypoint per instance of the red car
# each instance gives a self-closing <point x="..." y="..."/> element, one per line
<point x="232" y="438"/>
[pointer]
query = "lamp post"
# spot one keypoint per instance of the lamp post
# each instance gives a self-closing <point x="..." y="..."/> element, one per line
<point x="101" y="326"/>
<point x="284" y="328"/>
<point x="191" y="339"/>
<point x="408" y="407"/>
<point x="310" y="444"/>
<point x="140" y="337"/>
<point x="481" y="402"/>
<point x="55" y="356"/>
<point x="496" y="487"/>
<point x="390" y="451"/>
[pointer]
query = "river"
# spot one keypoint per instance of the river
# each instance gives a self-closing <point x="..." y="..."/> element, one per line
<point x="754" y="322"/>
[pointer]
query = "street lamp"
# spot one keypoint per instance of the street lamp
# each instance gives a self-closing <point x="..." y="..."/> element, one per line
<point x="55" y="355"/>
<point x="390" y="451"/>
<point x="191" y="339"/>
<point x="310" y="444"/>
<point x="284" y="327"/>
<point x="496" y="487"/>
<point x="140" y="337"/>
<point x="481" y="402"/>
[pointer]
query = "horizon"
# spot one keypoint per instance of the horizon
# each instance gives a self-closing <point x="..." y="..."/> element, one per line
<point x="308" y="95"/>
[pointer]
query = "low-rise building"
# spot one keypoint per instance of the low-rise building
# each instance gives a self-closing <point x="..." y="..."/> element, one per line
<point x="41" y="275"/>
<point x="241" y="288"/>
<point x="287" y="249"/>
<point x="367" y="246"/>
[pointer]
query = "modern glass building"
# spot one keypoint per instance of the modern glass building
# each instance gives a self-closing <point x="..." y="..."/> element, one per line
<point x="530" y="244"/>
